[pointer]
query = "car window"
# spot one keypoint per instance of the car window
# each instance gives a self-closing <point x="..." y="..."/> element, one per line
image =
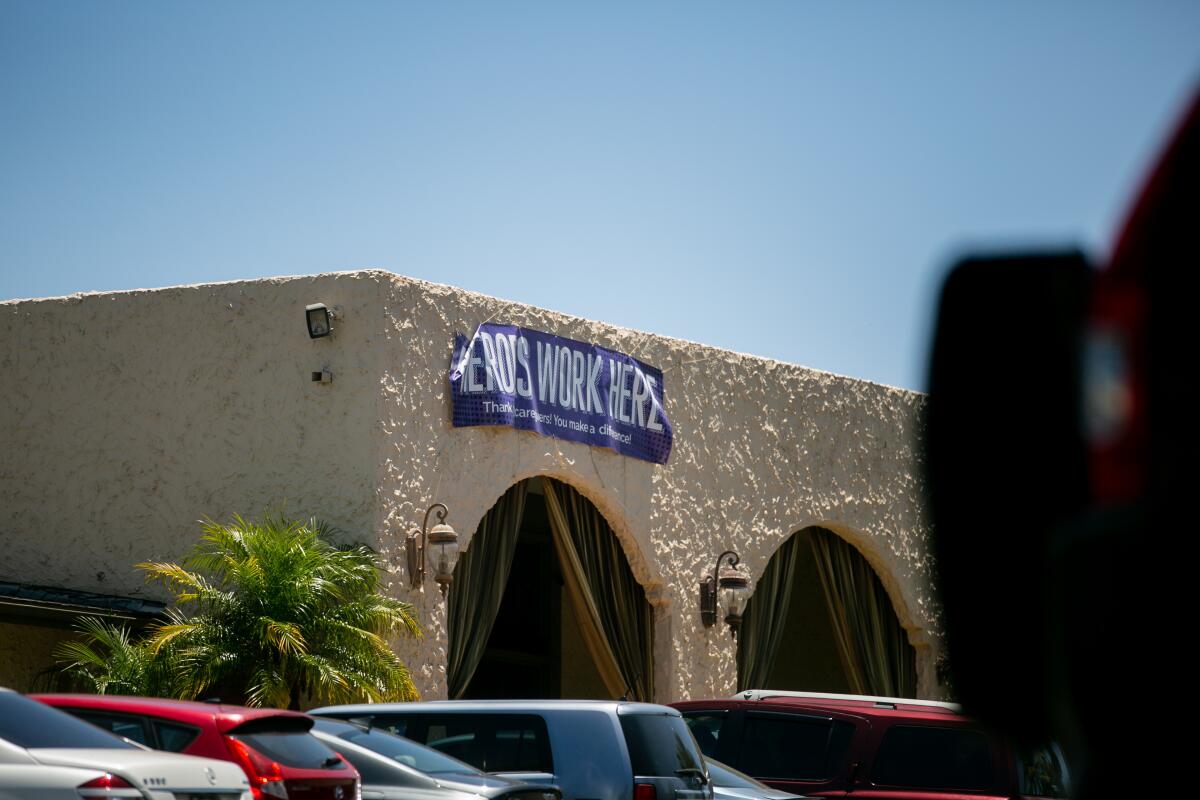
<point x="396" y="748"/>
<point x="491" y="742"/>
<point x="934" y="758"/>
<point x="130" y="727"/>
<point x="392" y="723"/>
<point x="706" y="727"/>
<point x="28" y="723"/>
<point x="519" y="746"/>
<point x="174" y="737"/>
<point x="292" y="749"/>
<point x="660" y="745"/>
<point x="457" y="739"/>
<point x="793" y="747"/>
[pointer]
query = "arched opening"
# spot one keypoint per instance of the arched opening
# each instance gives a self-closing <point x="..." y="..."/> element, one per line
<point x="820" y="620"/>
<point x="544" y="604"/>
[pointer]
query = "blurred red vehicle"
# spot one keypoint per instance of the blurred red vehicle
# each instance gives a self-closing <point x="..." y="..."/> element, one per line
<point x="280" y="757"/>
<point x="835" y="745"/>
<point x="1060" y="514"/>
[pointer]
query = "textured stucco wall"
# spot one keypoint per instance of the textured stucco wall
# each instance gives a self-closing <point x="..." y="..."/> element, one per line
<point x="146" y="410"/>
<point x="135" y="414"/>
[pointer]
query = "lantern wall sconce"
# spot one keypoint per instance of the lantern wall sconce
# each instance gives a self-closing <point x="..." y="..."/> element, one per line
<point x="726" y="589"/>
<point x="319" y="319"/>
<point x="443" y="542"/>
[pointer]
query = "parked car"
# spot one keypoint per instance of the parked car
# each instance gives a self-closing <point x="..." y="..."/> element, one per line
<point x="48" y="755"/>
<point x="274" y="748"/>
<point x="395" y="768"/>
<point x="729" y="784"/>
<point x="600" y="750"/>
<point x="830" y="744"/>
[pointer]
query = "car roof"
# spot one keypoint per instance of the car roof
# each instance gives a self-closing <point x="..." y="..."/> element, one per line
<point x="862" y="705"/>
<point x="514" y="706"/>
<point x="226" y="717"/>
<point x="874" y="699"/>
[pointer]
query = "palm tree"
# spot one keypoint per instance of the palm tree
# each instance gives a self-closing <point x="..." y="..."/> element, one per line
<point x="106" y="659"/>
<point x="269" y="612"/>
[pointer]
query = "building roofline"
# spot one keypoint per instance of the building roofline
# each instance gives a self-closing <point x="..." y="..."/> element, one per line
<point x="394" y="277"/>
<point x="57" y="606"/>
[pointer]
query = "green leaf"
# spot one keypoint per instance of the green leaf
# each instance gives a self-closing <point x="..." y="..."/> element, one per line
<point x="274" y="610"/>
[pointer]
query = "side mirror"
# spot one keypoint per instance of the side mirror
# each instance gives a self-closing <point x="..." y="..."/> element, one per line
<point x="1005" y="462"/>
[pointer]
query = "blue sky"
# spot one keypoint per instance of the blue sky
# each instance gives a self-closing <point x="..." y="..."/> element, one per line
<point x="785" y="179"/>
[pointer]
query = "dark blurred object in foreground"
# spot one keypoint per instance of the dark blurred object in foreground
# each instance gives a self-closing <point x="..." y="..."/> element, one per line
<point x="1055" y="450"/>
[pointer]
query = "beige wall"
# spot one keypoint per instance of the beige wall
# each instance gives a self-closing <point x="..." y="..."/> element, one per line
<point x="135" y="414"/>
<point x="26" y="651"/>
<point x="140" y="412"/>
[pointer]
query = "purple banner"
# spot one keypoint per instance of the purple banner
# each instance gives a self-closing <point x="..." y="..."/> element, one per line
<point x="559" y="387"/>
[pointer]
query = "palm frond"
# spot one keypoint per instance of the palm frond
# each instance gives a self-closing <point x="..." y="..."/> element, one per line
<point x="173" y="576"/>
<point x="276" y="609"/>
<point x="286" y="636"/>
<point x="268" y="688"/>
<point x="107" y="658"/>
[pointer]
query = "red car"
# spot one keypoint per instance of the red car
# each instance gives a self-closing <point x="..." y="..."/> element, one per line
<point x="868" y="747"/>
<point x="280" y="757"/>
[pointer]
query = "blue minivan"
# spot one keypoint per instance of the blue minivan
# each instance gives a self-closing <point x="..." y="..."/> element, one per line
<point x="590" y="749"/>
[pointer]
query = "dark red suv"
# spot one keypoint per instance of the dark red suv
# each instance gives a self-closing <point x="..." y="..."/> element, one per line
<point x="274" y="748"/>
<point x="873" y="747"/>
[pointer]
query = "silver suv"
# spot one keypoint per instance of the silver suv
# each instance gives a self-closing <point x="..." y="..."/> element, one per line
<point x="592" y="750"/>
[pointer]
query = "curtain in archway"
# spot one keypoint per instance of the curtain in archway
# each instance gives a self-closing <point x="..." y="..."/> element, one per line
<point x="479" y="582"/>
<point x="765" y="616"/>
<point x="873" y="647"/>
<point x="614" y="618"/>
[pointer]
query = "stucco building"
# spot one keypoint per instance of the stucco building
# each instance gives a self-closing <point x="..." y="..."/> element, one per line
<point x="130" y="415"/>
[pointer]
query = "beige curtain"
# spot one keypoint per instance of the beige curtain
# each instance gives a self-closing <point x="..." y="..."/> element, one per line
<point x="614" y="618"/>
<point x="479" y="582"/>
<point x="873" y="647"/>
<point x="765" y="617"/>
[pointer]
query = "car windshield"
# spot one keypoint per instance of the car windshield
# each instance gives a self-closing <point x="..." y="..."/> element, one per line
<point x="28" y="723"/>
<point x="397" y="748"/>
<point x="292" y="749"/>
<point x="726" y="776"/>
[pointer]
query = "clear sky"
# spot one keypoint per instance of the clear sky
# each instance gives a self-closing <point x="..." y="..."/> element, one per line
<point x="785" y="179"/>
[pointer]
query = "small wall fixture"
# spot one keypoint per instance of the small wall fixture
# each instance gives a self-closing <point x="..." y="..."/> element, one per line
<point x="444" y="543"/>
<point x="318" y="318"/>
<point x="727" y="587"/>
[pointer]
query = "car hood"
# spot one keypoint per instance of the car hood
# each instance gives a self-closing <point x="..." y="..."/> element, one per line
<point x="149" y="769"/>
<point x="487" y="785"/>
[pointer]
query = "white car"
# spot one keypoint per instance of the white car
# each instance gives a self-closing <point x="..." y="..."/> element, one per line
<point x="47" y="754"/>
